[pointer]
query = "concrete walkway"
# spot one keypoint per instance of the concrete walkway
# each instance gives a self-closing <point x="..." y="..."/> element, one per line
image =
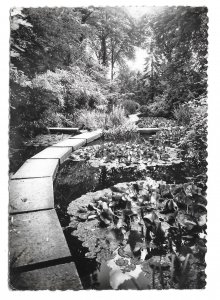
<point x="39" y="255"/>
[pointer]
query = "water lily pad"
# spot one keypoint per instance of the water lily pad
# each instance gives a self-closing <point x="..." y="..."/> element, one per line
<point x="121" y="262"/>
<point x="137" y="229"/>
<point x="129" y="268"/>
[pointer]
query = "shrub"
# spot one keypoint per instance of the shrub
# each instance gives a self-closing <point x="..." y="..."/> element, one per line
<point x="144" y="111"/>
<point x="159" y="108"/>
<point x="130" y="106"/>
<point x="56" y="119"/>
<point x="73" y="88"/>
<point x="194" y="141"/>
<point x="183" y="114"/>
<point x="29" y="107"/>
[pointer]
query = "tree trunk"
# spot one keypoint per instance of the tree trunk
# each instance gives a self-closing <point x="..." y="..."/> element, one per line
<point x="103" y="51"/>
<point x="112" y="65"/>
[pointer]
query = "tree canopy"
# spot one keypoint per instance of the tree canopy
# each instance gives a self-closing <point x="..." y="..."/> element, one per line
<point x="77" y="58"/>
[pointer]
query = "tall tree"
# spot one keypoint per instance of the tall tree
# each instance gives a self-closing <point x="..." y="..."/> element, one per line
<point x="113" y="38"/>
<point x="180" y="35"/>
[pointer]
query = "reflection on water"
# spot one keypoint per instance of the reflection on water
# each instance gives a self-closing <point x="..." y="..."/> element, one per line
<point x="110" y="276"/>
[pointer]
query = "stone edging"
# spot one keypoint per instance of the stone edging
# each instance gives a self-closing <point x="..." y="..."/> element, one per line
<point x="39" y="253"/>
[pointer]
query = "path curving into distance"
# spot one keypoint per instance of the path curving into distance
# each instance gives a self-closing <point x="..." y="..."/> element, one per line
<point x="39" y="255"/>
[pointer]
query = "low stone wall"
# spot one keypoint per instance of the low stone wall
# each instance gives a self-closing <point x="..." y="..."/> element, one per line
<point x="148" y="130"/>
<point x="39" y="255"/>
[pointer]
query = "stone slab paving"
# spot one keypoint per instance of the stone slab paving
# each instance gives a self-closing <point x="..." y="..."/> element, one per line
<point x="30" y="194"/>
<point x="74" y="143"/>
<point x="33" y="168"/>
<point x="89" y="136"/>
<point x="36" y="237"/>
<point x="59" y="277"/>
<point x="61" y="153"/>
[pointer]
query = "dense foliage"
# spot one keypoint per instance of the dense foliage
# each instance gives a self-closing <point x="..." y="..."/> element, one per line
<point x="65" y="56"/>
<point x="147" y="226"/>
<point x="177" y="64"/>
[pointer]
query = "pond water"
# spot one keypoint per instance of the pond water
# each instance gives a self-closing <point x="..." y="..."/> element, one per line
<point x="115" y="264"/>
<point x="20" y="150"/>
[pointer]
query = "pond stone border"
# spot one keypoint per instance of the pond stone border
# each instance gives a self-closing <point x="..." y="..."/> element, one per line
<point x="40" y="258"/>
<point x="39" y="255"/>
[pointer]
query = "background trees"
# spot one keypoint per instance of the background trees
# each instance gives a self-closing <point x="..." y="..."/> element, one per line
<point x="113" y="36"/>
<point x="66" y="59"/>
<point x="179" y="35"/>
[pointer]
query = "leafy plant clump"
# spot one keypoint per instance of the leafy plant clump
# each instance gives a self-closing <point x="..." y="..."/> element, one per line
<point x="183" y="114"/>
<point x="159" y="108"/>
<point x="145" y="226"/>
<point x="130" y="106"/>
<point x="125" y="132"/>
<point x="156" y="122"/>
<point x="128" y="154"/>
<point x="191" y="139"/>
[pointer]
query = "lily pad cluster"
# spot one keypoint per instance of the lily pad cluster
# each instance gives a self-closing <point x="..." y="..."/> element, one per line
<point x="159" y="228"/>
<point x="128" y="155"/>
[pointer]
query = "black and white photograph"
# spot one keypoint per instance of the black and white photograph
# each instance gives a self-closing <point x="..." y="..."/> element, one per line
<point x="108" y="135"/>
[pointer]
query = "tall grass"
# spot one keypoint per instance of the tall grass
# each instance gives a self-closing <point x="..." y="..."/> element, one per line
<point x="116" y="117"/>
<point x="124" y="132"/>
<point x="115" y="125"/>
<point x="93" y="119"/>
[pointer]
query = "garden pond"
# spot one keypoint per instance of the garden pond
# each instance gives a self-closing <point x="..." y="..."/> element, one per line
<point x="20" y="150"/>
<point x="133" y="216"/>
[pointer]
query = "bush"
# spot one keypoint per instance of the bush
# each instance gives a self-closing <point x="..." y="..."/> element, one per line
<point x="130" y="106"/>
<point x="51" y="99"/>
<point x="183" y="114"/>
<point x="144" y="111"/>
<point x="194" y="141"/>
<point x="29" y="109"/>
<point x="56" y="119"/>
<point x="73" y="88"/>
<point x="159" y="108"/>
